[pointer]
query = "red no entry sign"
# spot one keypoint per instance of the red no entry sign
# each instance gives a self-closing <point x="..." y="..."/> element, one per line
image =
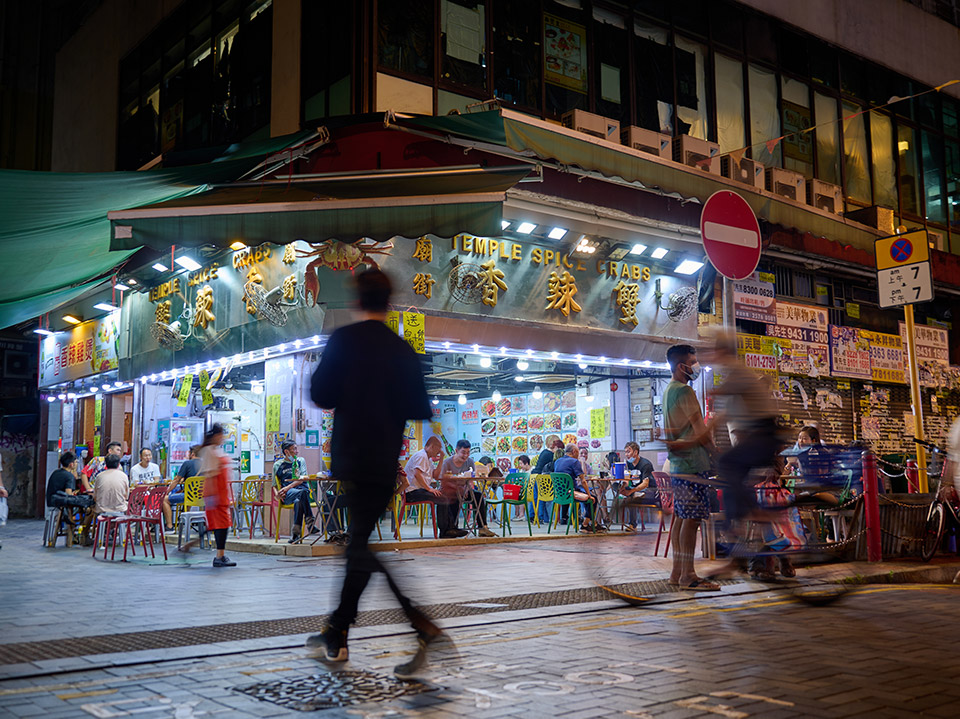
<point x="731" y="234"/>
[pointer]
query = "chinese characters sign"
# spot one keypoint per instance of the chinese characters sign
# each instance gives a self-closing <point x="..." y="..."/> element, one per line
<point x="755" y="300"/>
<point x="87" y="349"/>
<point x="849" y="353"/>
<point x="933" y="353"/>
<point x="414" y="331"/>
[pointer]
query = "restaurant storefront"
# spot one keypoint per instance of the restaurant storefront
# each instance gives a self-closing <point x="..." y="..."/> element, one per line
<point x="522" y="342"/>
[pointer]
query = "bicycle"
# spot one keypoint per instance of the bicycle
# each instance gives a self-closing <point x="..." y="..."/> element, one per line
<point x="825" y="471"/>
<point x="944" y="510"/>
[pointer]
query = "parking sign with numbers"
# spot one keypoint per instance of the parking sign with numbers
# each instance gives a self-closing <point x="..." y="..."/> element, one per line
<point x="903" y="269"/>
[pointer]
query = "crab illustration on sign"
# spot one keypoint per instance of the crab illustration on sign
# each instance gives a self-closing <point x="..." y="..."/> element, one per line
<point x="338" y="255"/>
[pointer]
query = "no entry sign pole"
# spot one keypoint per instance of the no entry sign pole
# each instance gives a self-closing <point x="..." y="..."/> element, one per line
<point x="904" y="277"/>
<point x="731" y="239"/>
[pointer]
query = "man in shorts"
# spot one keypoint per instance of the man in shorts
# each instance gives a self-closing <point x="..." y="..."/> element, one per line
<point x="688" y="441"/>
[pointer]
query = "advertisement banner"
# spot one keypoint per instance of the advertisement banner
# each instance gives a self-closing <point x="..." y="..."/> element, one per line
<point x="755" y="300"/>
<point x="887" y="356"/>
<point x="758" y="353"/>
<point x="87" y="349"/>
<point x="803" y="316"/>
<point x="809" y="359"/>
<point x="933" y="353"/>
<point x="849" y="353"/>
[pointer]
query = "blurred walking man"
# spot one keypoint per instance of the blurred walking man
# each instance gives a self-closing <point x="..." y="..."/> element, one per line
<point x="374" y="381"/>
<point x="688" y="440"/>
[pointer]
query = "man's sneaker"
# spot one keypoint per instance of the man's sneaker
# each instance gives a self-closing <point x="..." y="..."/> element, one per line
<point x="312" y="528"/>
<point x="223" y="561"/>
<point x="461" y="532"/>
<point x="485" y="532"/>
<point x="332" y="641"/>
<point x="294" y="537"/>
<point x="408" y="670"/>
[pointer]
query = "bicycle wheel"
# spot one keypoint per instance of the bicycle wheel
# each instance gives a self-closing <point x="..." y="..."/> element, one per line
<point x="932" y="532"/>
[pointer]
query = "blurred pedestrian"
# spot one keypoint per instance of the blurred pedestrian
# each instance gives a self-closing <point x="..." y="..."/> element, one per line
<point x="688" y="441"/>
<point x="374" y="382"/>
<point x="217" y="493"/>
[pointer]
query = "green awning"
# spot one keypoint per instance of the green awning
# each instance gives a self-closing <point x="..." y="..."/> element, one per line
<point x="528" y="137"/>
<point x="54" y="231"/>
<point x="17" y="311"/>
<point x="442" y="202"/>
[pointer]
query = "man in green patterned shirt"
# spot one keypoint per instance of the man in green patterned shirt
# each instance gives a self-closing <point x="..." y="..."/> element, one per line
<point x="290" y="473"/>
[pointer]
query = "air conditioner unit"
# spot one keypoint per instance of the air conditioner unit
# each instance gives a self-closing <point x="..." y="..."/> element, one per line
<point x="747" y="171"/>
<point x="787" y="183"/>
<point x="825" y="196"/>
<point x="656" y="143"/>
<point x="596" y="125"/>
<point x="693" y="152"/>
<point x="937" y="241"/>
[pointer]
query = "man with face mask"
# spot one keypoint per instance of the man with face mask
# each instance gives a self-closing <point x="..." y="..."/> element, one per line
<point x="688" y="441"/>
<point x="290" y="473"/>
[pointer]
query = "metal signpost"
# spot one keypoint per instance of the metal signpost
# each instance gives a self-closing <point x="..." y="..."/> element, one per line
<point x="903" y="278"/>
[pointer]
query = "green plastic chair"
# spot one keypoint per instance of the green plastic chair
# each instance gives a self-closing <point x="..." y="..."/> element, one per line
<point x="562" y="490"/>
<point x="527" y="483"/>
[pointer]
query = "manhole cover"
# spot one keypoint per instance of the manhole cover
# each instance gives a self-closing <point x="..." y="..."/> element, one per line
<point x="327" y="691"/>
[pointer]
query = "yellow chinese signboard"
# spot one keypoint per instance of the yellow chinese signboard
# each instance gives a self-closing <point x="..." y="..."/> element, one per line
<point x="598" y="423"/>
<point x="205" y="388"/>
<point x="185" y="391"/>
<point x="273" y="413"/>
<point x="393" y="321"/>
<point x="414" y="331"/>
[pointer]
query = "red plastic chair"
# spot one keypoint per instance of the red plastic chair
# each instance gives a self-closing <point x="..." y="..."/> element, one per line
<point x="401" y="513"/>
<point x="152" y="519"/>
<point x="136" y="500"/>
<point x="665" y="494"/>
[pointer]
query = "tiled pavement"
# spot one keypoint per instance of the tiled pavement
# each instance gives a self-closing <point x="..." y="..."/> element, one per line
<point x="883" y="651"/>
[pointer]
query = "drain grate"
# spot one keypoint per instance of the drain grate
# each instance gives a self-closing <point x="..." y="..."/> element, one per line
<point x="216" y="633"/>
<point x="328" y="691"/>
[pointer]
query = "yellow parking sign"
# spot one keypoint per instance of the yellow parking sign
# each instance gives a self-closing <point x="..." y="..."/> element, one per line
<point x="906" y="249"/>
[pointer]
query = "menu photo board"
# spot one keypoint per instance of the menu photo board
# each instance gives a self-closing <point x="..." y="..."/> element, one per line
<point x="755" y="300"/>
<point x="849" y="353"/>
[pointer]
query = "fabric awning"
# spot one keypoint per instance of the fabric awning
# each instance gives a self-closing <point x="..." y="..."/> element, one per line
<point x="54" y="231"/>
<point x="378" y="205"/>
<point x="531" y="139"/>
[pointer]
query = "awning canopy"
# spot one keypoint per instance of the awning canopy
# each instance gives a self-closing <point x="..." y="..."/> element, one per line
<point x="54" y="231"/>
<point x="527" y="138"/>
<point x="378" y="205"/>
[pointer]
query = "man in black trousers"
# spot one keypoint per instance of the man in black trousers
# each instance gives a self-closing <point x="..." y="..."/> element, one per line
<point x="374" y="382"/>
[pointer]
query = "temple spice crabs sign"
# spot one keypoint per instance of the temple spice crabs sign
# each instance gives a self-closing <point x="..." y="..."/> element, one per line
<point x="731" y="235"/>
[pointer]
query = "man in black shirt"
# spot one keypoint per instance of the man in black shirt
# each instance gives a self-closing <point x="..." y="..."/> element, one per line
<point x="374" y="382"/>
<point x="60" y="492"/>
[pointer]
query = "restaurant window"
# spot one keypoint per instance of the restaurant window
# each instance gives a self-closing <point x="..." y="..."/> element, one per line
<point x="405" y="36"/>
<point x="693" y="113"/>
<point x="610" y="70"/>
<point x="726" y="24"/>
<point x="201" y="78"/>
<point x="517" y="53"/>
<point x="855" y="159"/>
<point x="653" y="69"/>
<point x="951" y="117"/>
<point x="764" y="118"/>
<point x="828" y="138"/>
<point x="932" y="148"/>
<point x="729" y="92"/>
<point x="463" y="43"/>
<point x="952" y="165"/>
<point x="796" y="119"/>
<point x="909" y="177"/>
<point x="823" y="62"/>
<point x="326" y="47"/>
<point x="884" y="167"/>
<point x="564" y="57"/>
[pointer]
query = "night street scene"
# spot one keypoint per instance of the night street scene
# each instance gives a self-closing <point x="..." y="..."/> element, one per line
<point x="503" y="359"/>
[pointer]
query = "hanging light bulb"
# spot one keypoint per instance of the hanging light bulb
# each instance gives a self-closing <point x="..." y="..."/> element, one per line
<point x="436" y="400"/>
<point x="522" y="365"/>
<point x="485" y="362"/>
<point x="462" y="399"/>
<point x="537" y="394"/>
<point x="496" y="395"/>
